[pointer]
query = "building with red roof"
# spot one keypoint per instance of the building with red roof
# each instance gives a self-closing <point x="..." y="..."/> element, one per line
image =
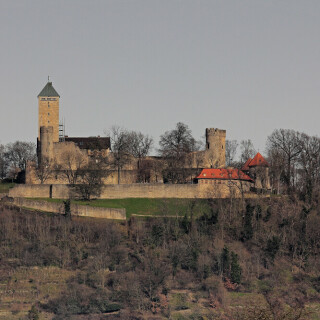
<point x="226" y="182"/>
<point x="253" y="174"/>
<point x="258" y="161"/>
<point x="224" y="174"/>
<point x="245" y="167"/>
<point x="258" y="169"/>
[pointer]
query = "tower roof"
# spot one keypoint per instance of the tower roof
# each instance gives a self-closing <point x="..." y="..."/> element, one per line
<point x="48" y="91"/>
<point x="246" y="165"/>
<point x="258" y="160"/>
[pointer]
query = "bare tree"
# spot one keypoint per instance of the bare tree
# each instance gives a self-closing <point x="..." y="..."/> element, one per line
<point x="120" y="147"/>
<point x="91" y="180"/>
<point x="3" y="162"/>
<point x="247" y="150"/>
<point x="19" y="152"/>
<point x="237" y="182"/>
<point x="175" y="147"/>
<point x="72" y="161"/>
<point x="231" y="151"/>
<point x="286" y="145"/>
<point x="276" y="168"/>
<point x="309" y="163"/>
<point x="177" y="142"/>
<point x="44" y="170"/>
<point x="139" y="146"/>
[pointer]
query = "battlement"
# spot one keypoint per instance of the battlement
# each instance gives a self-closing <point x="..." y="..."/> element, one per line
<point x="215" y="131"/>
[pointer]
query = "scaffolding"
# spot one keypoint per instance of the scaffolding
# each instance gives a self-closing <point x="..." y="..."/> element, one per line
<point x="62" y="132"/>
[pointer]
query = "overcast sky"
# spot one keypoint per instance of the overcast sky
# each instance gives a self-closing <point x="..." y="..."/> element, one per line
<point x="245" y="66"/>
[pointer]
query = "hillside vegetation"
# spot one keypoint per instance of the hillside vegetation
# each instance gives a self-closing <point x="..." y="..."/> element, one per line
<point x="234" y="260"/>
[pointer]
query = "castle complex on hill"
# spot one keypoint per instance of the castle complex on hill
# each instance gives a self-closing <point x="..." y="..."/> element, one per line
<point x="63" y="154"/>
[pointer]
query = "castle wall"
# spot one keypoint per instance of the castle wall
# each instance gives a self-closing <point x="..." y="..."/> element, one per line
<point x="261" y="177"/>
<point x="226" y="188"/>
<point x="58" y="178"/>
<point x="201" y="190"/>
<point x="77" y="210"/>
<point x="30" y="191"/>
<point x="69" y="155"/>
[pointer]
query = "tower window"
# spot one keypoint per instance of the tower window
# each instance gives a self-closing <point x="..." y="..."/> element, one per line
<point x="48" y="113"/>
<point x="48" y="121"/>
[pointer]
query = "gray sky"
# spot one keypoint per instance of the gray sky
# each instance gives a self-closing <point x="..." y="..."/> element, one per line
<point x="245" y="66"/>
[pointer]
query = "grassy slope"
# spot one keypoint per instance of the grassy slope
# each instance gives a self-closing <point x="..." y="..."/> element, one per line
<point x="146" y="206"/>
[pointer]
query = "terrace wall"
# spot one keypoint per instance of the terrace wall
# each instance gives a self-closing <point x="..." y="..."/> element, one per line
<point x="77" y="210"/>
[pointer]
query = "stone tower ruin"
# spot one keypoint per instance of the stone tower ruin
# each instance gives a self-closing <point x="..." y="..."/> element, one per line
<point x="215" y="154"/>
<point x="46" y="144"/>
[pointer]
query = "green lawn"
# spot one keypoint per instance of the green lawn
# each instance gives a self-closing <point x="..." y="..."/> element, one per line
<point x="4" y="187"/>
<point x="147" y="206"/>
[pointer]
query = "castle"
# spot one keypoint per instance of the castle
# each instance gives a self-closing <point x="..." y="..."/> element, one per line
<point x="63" y="155"/>
<point x="54" y="148"/>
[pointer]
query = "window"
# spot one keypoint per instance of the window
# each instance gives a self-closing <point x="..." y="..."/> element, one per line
<point x="48" y="113"/>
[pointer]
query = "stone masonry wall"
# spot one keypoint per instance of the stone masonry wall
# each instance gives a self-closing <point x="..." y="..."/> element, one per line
<point x="49" y="115"/>
<point x="77" y="210"/>
<point x="131" y="191"/>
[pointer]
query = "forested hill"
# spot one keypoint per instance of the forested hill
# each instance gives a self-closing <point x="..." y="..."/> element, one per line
<point x="253" y="260"/>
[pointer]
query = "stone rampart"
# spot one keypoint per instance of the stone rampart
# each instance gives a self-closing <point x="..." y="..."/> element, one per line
<point x="137" y="190"/>
<point x="77" y="210"/>
<point x="116" y="191"/>
<point x="30" y="191"/>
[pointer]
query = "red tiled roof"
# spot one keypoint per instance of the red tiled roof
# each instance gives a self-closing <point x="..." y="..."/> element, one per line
<point x="224" y="174"/>
<point x="258" y="160"/>
<point x="246" y="165"/>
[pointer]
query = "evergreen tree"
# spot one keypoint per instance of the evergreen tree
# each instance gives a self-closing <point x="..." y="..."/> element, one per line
<point x="225" y="261"/>
<point x="247" y="232"/>
<point x="235" y="273"/>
